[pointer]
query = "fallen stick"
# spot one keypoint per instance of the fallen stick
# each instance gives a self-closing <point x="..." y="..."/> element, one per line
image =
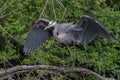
<point x="53" y="68"/>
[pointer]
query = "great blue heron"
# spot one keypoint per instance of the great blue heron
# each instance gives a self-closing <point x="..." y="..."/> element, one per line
<point x="84" y="31"/>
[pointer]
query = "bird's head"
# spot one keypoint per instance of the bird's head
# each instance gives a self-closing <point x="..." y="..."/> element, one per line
<point x="51" y="24"/>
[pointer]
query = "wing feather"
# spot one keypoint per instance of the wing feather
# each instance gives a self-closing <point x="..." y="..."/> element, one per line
<point x="90" y="28"/>
<point x="37" y="36"/>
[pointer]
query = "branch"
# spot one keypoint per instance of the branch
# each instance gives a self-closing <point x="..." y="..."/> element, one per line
<point x="53" y="68"/>
<point x="9" y="35"/>
<point x="9" y="13"/>
<point x="46" y="2"/>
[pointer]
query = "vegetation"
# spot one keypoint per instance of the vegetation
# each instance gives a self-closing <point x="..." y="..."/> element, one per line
<point x="101" y="56"/>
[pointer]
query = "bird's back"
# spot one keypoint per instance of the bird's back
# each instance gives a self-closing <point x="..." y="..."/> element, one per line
<point x="63" y="28"/>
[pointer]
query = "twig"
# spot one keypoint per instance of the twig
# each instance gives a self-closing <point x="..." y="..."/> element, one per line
<point x="61" y="4"/>
<point x="63" y="14"/>
<point x="9" y="13"/>
<point x="50" y="68"/>
<point x="4" y="6"/>
<point x="65" y="9"/>
<point x="11" y="36"/>
<point x="54" y="9"/>
<point x="43" y="9"/>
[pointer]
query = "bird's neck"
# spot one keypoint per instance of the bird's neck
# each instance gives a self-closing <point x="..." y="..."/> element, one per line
<point x="55" y="32"/>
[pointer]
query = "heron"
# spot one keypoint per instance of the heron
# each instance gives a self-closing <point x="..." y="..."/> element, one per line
<point x="84" y="31"/>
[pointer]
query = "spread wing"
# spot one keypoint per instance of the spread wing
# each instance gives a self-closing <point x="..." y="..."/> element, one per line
<point x="37" y="36"/>
<point x="88" y="28"/>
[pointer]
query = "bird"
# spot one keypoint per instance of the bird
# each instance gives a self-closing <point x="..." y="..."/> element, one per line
<point x="84" y="31"/>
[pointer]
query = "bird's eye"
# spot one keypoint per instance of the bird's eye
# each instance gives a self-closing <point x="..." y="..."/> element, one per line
<point x="66" y="32"/>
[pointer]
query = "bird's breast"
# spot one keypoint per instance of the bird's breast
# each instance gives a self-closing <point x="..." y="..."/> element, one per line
<point x="64" y="38"/>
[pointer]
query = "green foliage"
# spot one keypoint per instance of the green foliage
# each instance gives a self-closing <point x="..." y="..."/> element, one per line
<point x="101" y="55"/>
<point x="10" y="51"/>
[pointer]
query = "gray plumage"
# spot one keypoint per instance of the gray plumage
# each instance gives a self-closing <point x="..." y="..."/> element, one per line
<point x="85" y="30"/>
<point x="37" y="36"/>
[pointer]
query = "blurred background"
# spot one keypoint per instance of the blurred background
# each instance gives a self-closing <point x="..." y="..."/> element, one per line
<point x="101" y="56"/>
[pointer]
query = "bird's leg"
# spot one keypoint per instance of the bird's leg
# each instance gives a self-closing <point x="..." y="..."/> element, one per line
<point x="70" y="56"/>
<point x="68" y="50"/>
<point x="76" y="54"/>
<point x="59" y="51"/>
<point x="85" y="47"/>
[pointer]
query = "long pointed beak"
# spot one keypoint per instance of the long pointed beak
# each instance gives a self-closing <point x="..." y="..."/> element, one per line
<point x="47" y="27"/>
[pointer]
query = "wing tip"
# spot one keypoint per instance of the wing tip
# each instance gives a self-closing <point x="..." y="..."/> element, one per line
<point x="112" y="39"/>
<point x="27" y="51"/>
